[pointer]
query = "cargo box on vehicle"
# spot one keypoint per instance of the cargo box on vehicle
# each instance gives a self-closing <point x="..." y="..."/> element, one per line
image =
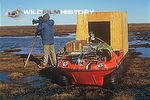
<point x="108" y="26"/>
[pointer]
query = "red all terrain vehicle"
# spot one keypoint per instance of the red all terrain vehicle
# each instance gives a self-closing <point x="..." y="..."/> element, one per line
<point x="95" y="64"/>
<point x="97" y="56"/>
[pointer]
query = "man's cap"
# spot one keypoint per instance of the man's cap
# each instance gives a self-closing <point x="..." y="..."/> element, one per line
<point x="46" y="17"/>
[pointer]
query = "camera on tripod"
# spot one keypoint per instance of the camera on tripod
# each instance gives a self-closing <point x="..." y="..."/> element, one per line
<point x="36" y="21"/>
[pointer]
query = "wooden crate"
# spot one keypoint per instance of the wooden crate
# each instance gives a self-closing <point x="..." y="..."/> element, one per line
<point x="109" y="26"/>
<point x="75" y="45"/>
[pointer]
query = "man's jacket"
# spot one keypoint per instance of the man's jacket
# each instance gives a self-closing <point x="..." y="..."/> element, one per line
<point x="47" y="32"/>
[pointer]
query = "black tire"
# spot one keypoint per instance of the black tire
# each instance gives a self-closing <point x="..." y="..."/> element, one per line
<point x="121" y="69"/>
<point x="125" y="66"/>
<point x="63" y="80"/>
<point x="112" y="81"/>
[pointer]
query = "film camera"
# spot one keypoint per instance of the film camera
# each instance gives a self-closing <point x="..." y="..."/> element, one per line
<point x="36" y="21"/>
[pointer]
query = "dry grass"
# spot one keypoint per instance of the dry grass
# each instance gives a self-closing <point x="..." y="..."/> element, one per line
<point x="15" y="75"/>
<point x="139" y="27"/>
<point x="123" y="96"/>
<point x="59" y="29"/>
<point x="138" y="75"/>
<point x="15" y="63"/>
<point x="30" y="30"/>
<point x="17" y="90"/>
<point x="62" y="96"/>
<point x="3" y="86"/>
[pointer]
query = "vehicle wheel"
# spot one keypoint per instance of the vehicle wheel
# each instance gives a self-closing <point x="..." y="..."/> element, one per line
<point x="112" y="81"/>
<point x="124" y="66"/>
<point x="121" y="69"/>
<point x="63" y="80"/>
<point x="115" y="79"/>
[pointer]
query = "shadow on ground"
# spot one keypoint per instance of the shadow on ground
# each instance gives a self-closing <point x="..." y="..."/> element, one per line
<point x="32" y="58"/>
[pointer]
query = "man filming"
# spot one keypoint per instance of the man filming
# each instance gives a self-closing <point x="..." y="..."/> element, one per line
<point x="45" y="28"/>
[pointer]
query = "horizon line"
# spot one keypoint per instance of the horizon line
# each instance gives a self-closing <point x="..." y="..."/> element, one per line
<point x="70" y="24"/>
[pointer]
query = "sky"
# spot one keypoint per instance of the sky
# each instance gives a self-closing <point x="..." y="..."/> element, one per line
<point x="138" y="10"/>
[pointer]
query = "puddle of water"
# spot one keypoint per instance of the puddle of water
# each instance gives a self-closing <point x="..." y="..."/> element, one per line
<point x="4" y="77"/>
<point x="138" y="42"/>
<point x="145" y="52"/>
<point x="140" y="92"/>
<point x="24" y="43"/>
<point x="36" y="81"/>
<point x="144" y="42"/>
<point x="38" y="84"/>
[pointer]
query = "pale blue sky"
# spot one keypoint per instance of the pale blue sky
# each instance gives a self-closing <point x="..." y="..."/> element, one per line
<point x="138" y="10"/>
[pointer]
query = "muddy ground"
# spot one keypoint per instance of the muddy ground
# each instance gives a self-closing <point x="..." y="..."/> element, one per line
<point x="17" y="82"/>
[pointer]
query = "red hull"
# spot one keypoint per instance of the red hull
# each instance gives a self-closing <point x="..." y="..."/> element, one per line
<point x="93" y="76"/>
<point x="86" y="77"/>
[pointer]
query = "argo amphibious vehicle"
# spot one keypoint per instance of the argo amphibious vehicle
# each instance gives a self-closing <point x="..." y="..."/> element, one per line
<point x="97" y="56"/>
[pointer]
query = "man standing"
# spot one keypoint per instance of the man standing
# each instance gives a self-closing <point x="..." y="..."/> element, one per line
<point x="47" y="34"/>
